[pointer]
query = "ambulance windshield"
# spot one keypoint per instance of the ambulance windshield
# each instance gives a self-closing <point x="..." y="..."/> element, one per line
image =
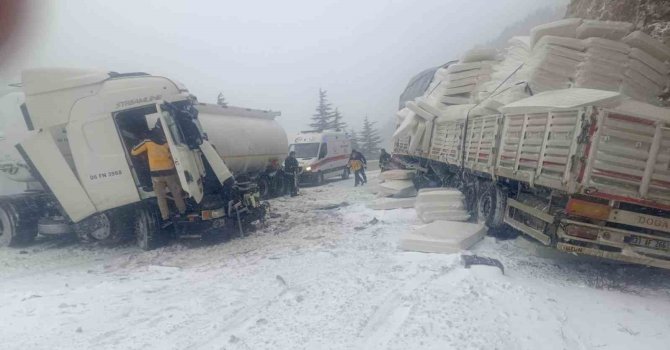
<point x="305" y="150"/>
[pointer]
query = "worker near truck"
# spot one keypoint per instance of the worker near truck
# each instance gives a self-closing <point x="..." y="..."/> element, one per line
<point x="163" y="172"/>
<point x="357" y="162"/>
<point x="384" y="160"/>
<point x="291" y="167"/>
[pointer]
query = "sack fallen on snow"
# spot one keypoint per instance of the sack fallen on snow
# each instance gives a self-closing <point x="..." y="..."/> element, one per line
<point x="442" y="237"/>
<point x="398" y="188"/>
<point x="397" y="174"/>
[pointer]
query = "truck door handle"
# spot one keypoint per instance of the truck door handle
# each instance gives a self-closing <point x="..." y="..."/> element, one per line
<point x="188" y="176"/>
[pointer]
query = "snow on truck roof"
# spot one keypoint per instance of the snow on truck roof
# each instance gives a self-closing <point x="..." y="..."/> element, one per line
<point x="563" y="100"/>
<point x="41" y="80"/>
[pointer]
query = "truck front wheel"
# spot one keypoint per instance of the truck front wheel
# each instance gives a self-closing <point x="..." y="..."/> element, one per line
<point x="148" y="226"/>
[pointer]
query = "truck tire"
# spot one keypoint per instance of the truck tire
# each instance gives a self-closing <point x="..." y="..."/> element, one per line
<point x="110" y="227"/>
<point x="18" y="222"/>
<point x="148" y="227"/>
<point x="345" y="173"/>
<point x="264" y="187"/>
<point x="491" y="207"/>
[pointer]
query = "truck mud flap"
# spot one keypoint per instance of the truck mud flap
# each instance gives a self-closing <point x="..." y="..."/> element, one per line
<point x="42" y="155"/>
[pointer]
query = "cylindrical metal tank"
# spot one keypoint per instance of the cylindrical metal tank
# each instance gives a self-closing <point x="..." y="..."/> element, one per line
<point x="248" y="140"/>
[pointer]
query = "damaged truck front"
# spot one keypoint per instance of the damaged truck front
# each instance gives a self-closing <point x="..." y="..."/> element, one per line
<point x="84" y="180"/>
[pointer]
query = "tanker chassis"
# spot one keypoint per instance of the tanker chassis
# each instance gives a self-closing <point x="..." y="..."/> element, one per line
<point x="83" y="125"/>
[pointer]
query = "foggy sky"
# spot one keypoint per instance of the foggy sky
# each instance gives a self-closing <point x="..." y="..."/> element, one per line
<point x="270" y="54"/>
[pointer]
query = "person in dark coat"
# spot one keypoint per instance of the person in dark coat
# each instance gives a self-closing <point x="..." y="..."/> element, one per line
<point x="291" y="168"/>
<point x="384" y="160"/>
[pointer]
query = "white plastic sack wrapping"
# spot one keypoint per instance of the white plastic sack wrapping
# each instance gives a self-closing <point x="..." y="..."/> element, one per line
<point x="648" y="44"/>
<point x="565" y="28"/>
<point x="604" y="29"/>
<point x="479" y="54"/>
<point x="651" y="61"/>
<point x="607" y="44"/>
<point x="397" y="174"/>
<point x="570" y="43"/>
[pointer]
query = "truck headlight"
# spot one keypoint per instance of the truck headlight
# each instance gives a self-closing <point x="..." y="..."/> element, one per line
<point x="309" y="168"/>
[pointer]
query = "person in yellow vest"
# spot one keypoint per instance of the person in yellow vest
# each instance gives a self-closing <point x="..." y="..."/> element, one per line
<point x="163" y="172"/>
<point x="356" y="164"/>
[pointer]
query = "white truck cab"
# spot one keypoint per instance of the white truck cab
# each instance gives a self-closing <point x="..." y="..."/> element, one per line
<point x="322" y="155"/>
<point x="84" y="125"/>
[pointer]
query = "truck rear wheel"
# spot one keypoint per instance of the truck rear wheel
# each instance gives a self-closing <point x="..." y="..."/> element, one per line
<point x="148" y="227"/>
<point x="16" y="227"/>
<point x="491" y="207"/>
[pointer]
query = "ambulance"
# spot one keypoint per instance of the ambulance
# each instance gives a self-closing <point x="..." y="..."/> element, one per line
<point x="322" y="155"/>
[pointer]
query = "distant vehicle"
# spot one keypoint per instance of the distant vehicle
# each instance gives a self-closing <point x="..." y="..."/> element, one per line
<point x="322" y="155"/>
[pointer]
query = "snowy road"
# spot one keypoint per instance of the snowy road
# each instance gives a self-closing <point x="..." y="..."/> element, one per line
<point x="325" y="278"/>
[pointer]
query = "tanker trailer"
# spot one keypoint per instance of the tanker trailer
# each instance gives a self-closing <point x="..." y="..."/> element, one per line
<point x="251" y="142"/>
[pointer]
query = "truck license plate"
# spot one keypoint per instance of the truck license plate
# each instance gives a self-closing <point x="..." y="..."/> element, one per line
<point x="649" y="243"/>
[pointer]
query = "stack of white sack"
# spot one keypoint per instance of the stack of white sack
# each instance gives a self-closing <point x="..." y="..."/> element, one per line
<point x="440" y="204"/>
<point x="648" y="67"/>
<point x="457" y="83"/>
<point x="508" y="81"/>
<point x="397" y="184"/>
<point x="597" y="55"/>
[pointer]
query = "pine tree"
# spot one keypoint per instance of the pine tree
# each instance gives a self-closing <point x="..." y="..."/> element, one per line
<point x="337" y="123"/>
<point x="354" y="140"/>
<point x="221" y="101"/>
<point x="369" y="139"/>
<point x="322" y="119"/>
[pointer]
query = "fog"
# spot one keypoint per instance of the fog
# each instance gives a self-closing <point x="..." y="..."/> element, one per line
<point x="269" y="54"/>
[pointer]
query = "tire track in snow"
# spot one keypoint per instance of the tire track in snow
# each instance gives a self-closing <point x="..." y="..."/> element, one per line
<point x="393" y="311"/>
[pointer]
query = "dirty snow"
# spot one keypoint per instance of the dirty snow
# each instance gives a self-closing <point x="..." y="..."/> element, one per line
<point x="325" y="275"/>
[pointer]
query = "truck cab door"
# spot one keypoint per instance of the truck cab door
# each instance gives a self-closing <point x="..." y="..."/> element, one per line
<point x="188" y="162"/>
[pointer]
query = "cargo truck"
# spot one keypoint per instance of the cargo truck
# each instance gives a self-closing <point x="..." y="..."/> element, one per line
<point x="584" y="171"/>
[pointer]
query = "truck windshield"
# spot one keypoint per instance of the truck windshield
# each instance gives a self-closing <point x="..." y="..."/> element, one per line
<point x="305" y="150"/>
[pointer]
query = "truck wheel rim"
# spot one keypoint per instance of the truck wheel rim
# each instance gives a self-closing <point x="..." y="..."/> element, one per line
<point x="104" y="231"/>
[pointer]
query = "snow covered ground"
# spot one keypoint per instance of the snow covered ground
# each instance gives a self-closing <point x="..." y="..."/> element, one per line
<point x="325" y="275"/>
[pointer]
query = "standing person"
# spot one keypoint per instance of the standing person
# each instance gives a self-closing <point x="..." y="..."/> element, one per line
<point x="291" y="170"/>
<point x="356" y="164"/>
<point x="163" y="172"/>
<point x="384" y="160"/>
<point x="359" y="156"/>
